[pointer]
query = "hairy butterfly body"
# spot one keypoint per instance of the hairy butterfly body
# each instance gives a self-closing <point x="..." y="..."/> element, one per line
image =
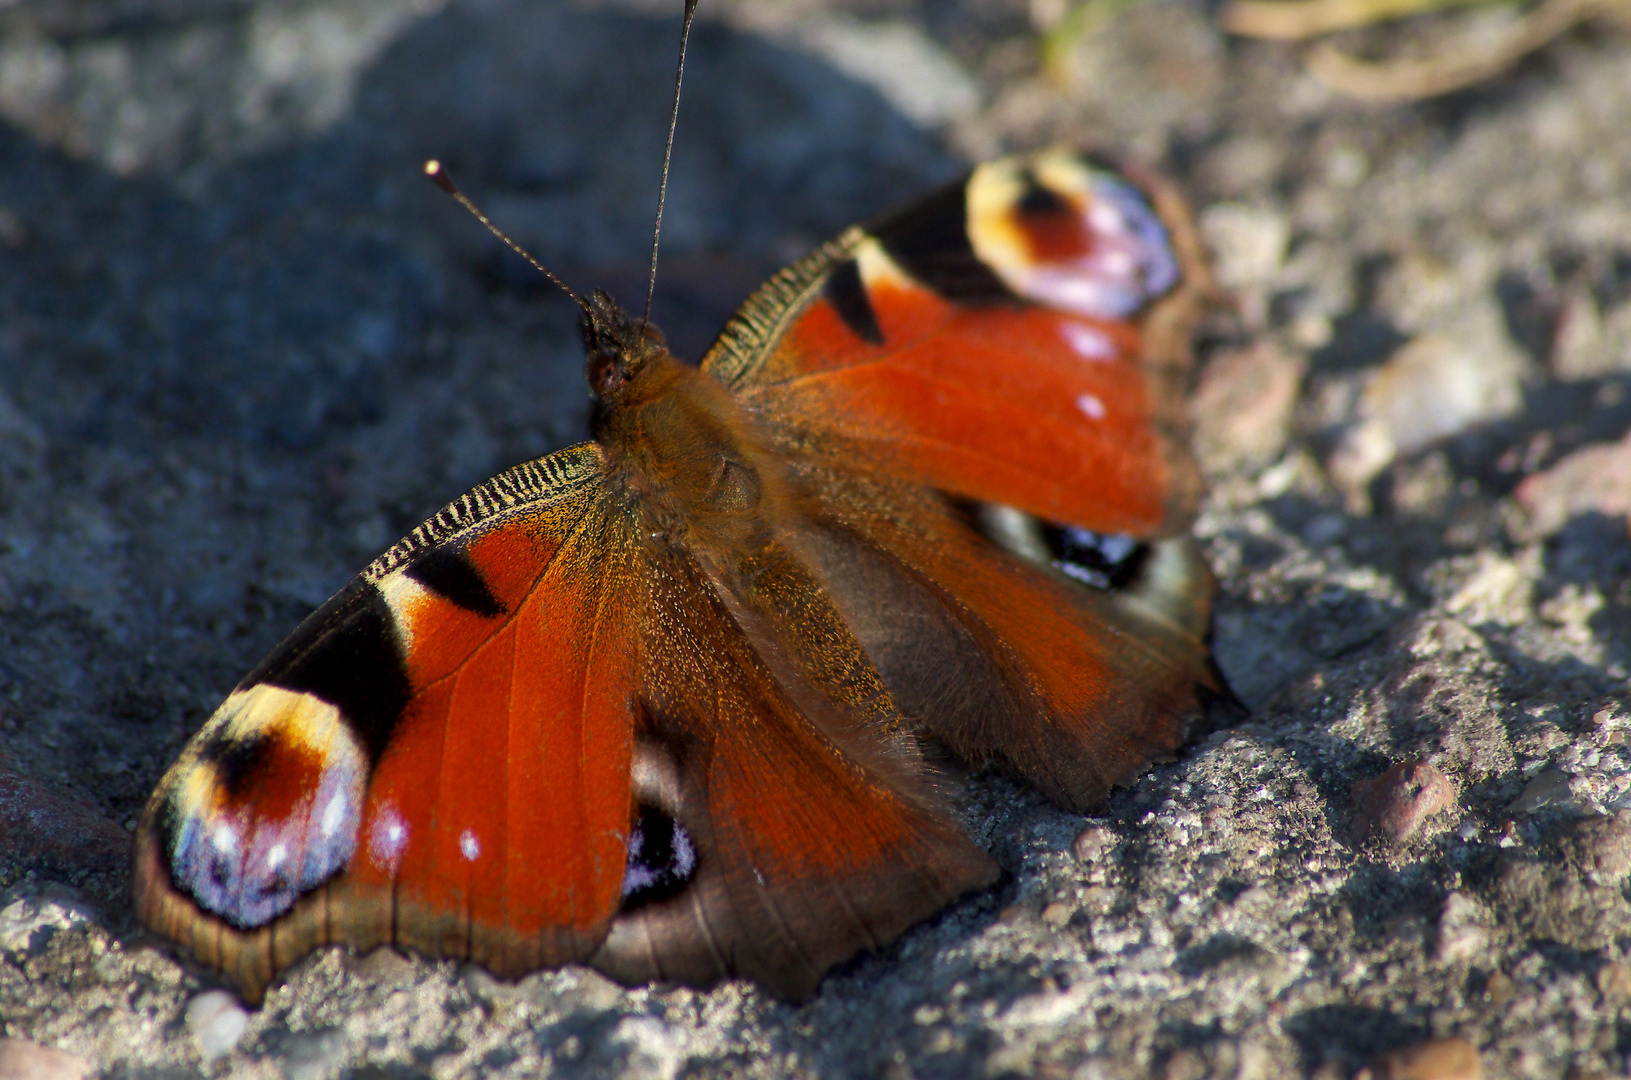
<point x="654" y="702"/>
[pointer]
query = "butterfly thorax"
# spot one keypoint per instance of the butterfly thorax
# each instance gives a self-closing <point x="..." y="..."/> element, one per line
<point x="677" y="444"/>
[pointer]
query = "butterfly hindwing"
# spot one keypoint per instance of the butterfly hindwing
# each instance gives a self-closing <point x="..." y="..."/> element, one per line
<point x="768" y="736"/>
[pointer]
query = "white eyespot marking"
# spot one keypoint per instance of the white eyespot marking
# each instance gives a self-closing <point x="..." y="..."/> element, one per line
<point x="1119" y="263"/>
<point x="1106" y="218"/>
<point x="275" y="857"/>
<point x="387" y="838"/>
<point x="336" y="812"/>
<point x="685" y="853"/>
<point x="224" y="838"/>
<point x="1091" y="407"/>
<point x="1088" y="342"/>
<point x="469" y="846"/>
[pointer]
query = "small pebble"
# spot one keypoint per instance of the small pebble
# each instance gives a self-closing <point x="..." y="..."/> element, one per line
<point x="1096" y="898"/>
<point x="1614" y="983"/>
<point x="1056" y="914"/>
<point x="1435" y="1059"/>
<point x="22" y="1060"/>
<point x="1594" y="479"/>
<point x="484" y="984"/>
<point x="1248" y="242"/>
<point x="1601" y="848"/>
<point x="1091" y="843"/>
<point x="217" y="1022"/>
<point x="1244" y="403"/>
<point x="385" y="965"/>
<point x="1395" y="805"/>
<point x="1498" y="988"/>
<point x="1549" y="788"/>
<point x="1185" y="1065"/>
<point x="28" y="922"/>
<point x="1460" y="937"/>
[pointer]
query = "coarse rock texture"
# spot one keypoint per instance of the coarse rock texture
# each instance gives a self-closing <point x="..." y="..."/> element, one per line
<point x="243" y="346"/>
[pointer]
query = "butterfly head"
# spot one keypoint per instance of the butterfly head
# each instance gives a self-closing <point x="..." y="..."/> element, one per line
<point x="619" y="347"/>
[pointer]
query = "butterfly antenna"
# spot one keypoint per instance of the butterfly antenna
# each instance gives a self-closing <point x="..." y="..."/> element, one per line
<point x="434" y="170"/>
<point x="668" y="156"/>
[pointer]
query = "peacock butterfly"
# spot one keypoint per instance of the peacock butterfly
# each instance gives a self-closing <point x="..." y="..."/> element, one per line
<point x="655" y="702"/>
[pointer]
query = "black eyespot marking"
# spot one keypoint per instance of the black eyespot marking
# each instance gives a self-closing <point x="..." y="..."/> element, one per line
<point x="930" y="242"/>
<point x="662" y="859"/>
<point x="1103" y="560"/>
<point x="450" y="575"/>
<point x="235" y="760"/>
<point x="346" y="654"/>
<point x="847" y="294"/>
<point x="1039" y="201"/>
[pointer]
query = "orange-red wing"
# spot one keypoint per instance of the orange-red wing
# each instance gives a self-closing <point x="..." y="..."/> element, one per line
<point x="768" y="739"/>
<point x="1020" y="338"/>
<point x="438" y="758"/>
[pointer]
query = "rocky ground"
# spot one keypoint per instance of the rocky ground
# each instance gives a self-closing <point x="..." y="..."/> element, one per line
<point x="244" y="345"/>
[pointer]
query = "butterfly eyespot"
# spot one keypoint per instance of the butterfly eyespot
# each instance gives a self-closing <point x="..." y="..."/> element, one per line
<point x="1110" y="561"/>
<point x="246" y="848"/>
<point x="1103" y="560"/>
<point x="662" y="859"/>
<point x="1040" y="201"/>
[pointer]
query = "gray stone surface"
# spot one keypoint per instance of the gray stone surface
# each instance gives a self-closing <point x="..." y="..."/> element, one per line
<point x="243" y="346"/>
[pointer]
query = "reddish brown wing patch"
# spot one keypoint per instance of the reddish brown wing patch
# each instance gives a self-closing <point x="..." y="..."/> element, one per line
<point x="1083" y="689"/>
<point x="499" y="811"/>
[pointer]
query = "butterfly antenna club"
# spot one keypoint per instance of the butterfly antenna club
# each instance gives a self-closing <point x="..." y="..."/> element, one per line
<point x="439" y="177"/>
<point x="668" y="156"/>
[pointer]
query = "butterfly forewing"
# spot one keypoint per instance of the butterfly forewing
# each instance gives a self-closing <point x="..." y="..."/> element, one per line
<point x="462" y="717"/>
<point x="1020" y="337"/>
